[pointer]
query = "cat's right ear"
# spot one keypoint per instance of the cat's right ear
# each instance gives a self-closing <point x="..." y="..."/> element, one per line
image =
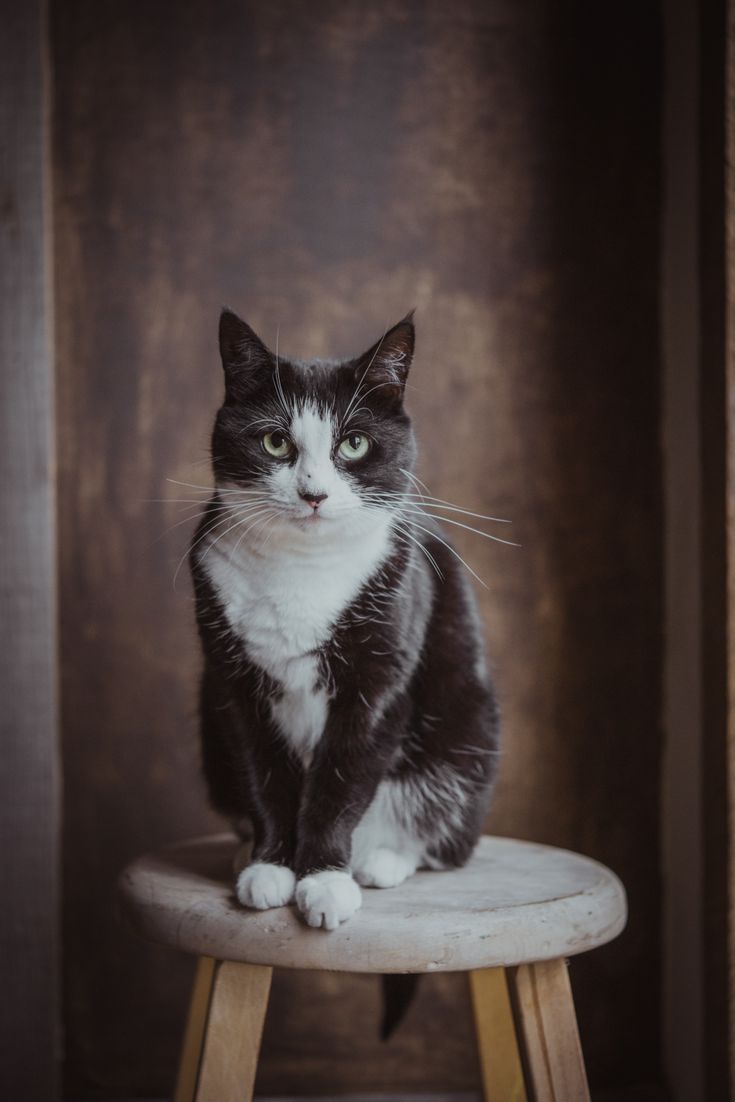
<point x="245" y="359"/>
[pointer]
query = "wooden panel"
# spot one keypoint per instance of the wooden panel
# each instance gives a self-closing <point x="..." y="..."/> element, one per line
<point x="727" y="852"/>
<point x="682" y="796"/>
<point x="29" y="805"/>
<point x="715" y="416"/>
<point x="324" y="167"/>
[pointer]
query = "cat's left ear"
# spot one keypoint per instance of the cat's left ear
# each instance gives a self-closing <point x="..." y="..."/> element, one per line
<point x="245" y="359"/>
<point x="384" y="368"/>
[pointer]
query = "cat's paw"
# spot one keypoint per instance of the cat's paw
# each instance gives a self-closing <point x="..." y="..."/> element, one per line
<point x="384" y="868"/>
<point x="327" y="898"/>
<point x="263" y="885"/>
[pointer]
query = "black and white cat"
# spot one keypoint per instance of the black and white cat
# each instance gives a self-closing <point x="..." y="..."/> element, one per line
<point x="347" y="713"/>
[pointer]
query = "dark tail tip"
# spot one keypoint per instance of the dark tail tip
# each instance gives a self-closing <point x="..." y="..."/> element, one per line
<point x="399" y="990"/>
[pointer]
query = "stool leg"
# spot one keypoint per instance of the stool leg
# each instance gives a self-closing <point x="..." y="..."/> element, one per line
<point x="196" y="1025"/>
<point x="547" y="1032"/>
<point x="222" y="1040"/>
<point x="500" y="1063"/>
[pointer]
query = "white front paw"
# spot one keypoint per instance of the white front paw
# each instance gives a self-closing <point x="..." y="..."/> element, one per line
<point x="263" y="885"/>
<point x="327" y="898"/>
<point x="384" y="868"/>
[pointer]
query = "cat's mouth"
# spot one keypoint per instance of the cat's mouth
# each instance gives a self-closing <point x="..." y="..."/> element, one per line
<point x="314" y="517"/>
<point x="320" y="517"/>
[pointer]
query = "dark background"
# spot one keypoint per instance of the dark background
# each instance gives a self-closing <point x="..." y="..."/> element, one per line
<point x="322" y="168"/>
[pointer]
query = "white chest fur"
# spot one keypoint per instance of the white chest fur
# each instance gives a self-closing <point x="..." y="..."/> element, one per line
<point x="282" y="599"/>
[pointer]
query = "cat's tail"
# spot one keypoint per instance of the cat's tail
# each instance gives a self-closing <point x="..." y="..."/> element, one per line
<point x="399" y="989"/>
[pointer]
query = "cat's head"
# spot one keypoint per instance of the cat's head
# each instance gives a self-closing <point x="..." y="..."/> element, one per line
<point x="324" y="445"/>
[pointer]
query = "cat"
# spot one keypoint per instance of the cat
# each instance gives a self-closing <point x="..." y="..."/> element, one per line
<point x="347" y="714"/>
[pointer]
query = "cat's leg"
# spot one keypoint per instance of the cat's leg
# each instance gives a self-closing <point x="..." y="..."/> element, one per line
<point x="348" y="765"/>
<point x="384" y="853"/>
<point x="268" y="879"/>
<point x="259" y="884"/>
<point x="243" y="828"/>
<point x="258" y="788"/>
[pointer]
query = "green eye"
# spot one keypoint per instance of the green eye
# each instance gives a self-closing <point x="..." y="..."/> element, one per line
<point x="277" y="444"/>
<point x="354" y="446"/>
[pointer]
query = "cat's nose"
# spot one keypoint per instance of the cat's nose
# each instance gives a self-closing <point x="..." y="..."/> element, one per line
<point x="311" y="498"/>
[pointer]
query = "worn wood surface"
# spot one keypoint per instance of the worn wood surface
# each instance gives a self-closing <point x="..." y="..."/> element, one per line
<point x="322" y="168"/>
<point x="29" y="774"/>
<point x="513" y="902"/>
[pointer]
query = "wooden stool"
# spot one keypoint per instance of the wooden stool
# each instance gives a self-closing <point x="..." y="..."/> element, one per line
<point x="509" y="918"/>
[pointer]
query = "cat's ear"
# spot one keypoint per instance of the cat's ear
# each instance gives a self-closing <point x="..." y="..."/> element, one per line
<point x="383" y="369"/>
<point x="245" y="358"/>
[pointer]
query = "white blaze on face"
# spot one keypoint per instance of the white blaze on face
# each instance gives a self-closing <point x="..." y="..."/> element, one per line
<point x="313" y="433"/>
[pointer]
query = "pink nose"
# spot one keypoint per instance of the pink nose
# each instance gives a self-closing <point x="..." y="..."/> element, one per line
<point x="314" y="500"/>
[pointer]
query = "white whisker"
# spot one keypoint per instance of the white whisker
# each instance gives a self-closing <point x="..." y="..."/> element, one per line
<point x="356" y="392"/>
<point x="269" y="515"/>
<point x="208" y="531"/>
<point x="287" y="410"/>
<point x="252" y="516"/>
<point x="402" y="530"/>
<point x="458" y="524"/>
<point x="186" y="520"/>
<point x="451" y="550"/>
<point x="415" y="479"/>
<point x="348" y="417"/>
<point x="436" y="503"/>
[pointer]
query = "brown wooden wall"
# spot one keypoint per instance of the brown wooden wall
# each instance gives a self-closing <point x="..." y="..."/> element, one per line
<point x="323" y="168"/>
<point x="716" y="405"/>
<point x="29" y="727"/>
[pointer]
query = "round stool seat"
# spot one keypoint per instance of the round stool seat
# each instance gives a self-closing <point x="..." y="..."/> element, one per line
<point x="513" y="902"/>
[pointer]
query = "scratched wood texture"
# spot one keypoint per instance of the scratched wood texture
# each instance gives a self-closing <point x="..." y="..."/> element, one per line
<point x="322" y="168"/>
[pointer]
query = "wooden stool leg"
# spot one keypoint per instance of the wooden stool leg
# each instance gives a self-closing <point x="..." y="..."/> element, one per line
<point x="223" y="1032"/>
<point x="500" y="1063"/>
<point x="196" y="1025"/>
<point x="547" y="1032"/>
